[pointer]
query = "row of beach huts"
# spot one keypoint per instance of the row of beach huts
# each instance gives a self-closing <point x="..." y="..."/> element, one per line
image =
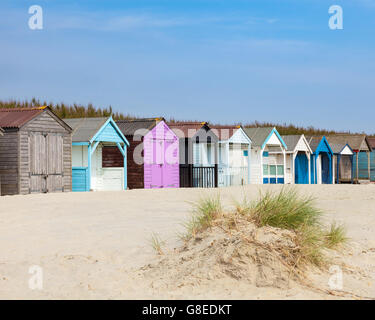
<point x="40" y="153"/>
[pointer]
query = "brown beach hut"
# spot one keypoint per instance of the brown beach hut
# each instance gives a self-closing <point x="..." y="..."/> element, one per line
<point x="361" y="148"/>
<point x="35" y="152"/>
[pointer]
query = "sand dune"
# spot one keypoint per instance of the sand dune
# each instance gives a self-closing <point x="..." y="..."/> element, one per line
<point x="92" y="245"/>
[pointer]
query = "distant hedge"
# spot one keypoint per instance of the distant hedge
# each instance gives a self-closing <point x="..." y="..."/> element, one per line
<point x="89" y="111"/>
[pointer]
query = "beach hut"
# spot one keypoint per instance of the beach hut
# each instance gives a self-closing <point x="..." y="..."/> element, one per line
<point x="92" y="168"/>
<point x="342" y="164"/>
<point x="321" y="160"/>
<point x="153" y="155"/>
<point x="35" y="152"/>
<point x="372" y="158"/>
<point x="298" y="157"/>
<point x="268" y="156"/>
<point x="198" y="154"/>
<point x="234" y="155"/>
<point x="362" y="150"/>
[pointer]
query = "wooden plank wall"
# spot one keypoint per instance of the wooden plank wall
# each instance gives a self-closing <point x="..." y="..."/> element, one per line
<point x="9" y="162"/>
<point x="45" y="123"/>
<point x="112" y="157"/>
<point x="135" y="172"/>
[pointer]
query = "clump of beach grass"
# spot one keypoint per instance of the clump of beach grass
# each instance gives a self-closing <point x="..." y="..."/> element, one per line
<point x="205" y="212"/>
<point x="286" y="210"/>
<point x="157" y="243"/>
<point x="335" y="236"/>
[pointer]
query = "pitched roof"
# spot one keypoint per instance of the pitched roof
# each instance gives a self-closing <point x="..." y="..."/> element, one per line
<point x="258" y="135"/>
<point x="314" y="142"/>
<point x="186" y="129"/>
<point x="130" y="127"/>
<point x="371" y="141"/>
<point x="355" y="141"/>
<point x="84" y="129"/>
<point x="17" y="117"/>
<point x="337" y="147"/>
<point x="291" y="141"/>
<point x="224" y="132"/>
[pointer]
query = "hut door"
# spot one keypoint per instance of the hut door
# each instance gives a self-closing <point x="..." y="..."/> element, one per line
<point x="54" y="163"/>
<point x="325" y="168"/>
<point x="157" y="164"/>
<point x="38" y="163"/>
<point x="45" y="163"/>
<point x="301" y="169"/>
<point x="170" y="165"/>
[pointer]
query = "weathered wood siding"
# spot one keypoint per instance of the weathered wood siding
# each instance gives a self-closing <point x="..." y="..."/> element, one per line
<point x="112" y="157"/>
<point x="57" y="136"/>
<point x="135" y="171"/>
<point x="9" y="162"/>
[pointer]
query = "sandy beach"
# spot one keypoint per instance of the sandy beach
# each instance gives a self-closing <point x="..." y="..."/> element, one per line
<point x="92" y="245"/>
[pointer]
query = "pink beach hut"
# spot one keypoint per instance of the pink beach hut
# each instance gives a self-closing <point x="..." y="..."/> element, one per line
<point x="153" y="155"/>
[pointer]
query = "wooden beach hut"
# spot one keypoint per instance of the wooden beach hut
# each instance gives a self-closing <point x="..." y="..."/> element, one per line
<point x="321" y="160"/>
<point x="298" y="157"/>
<point x="93" y="169"/>
<point x="372" y="159"/>
<point x="35" y="152"/>
<point x="234" y="155"/>
<point x="342" y="164"/>
<point x="268" y="156"/>
<point x="198" y="148"/>
<point x="153" y="155"/>
<point x="362" y="150"/>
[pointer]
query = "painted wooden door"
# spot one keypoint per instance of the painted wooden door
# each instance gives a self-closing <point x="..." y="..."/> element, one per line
<point x="301" y="169"/>
<point x="157" y="163"/>
<point x="170" y="165"/>
<point x="325" y="168"/>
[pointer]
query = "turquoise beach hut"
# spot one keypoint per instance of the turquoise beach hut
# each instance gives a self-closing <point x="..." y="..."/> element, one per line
<point x="321" y="160"/>
<point x="93" y="169"/>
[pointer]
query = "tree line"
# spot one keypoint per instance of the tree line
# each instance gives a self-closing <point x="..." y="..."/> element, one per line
<point x="65" y="111"/>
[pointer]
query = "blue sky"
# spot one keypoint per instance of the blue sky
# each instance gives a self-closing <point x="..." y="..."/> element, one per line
<point x="221" y="61"/>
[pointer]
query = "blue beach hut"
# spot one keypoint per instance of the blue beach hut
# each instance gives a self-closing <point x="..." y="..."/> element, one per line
<point x="92" y="167"/>
<point x="321" y="160"/>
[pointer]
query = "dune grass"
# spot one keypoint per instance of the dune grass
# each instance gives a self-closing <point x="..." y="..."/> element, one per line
<point x="285" y="210"/>
<point x="335" y="236"/>
<point x="157" y="243"/>
<point x="205" y="211"/>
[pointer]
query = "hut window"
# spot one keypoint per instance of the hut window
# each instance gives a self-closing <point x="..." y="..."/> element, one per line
<point x="280" y="170"/>
<point x="272" y="170"/>
<point x="265" y="169"/>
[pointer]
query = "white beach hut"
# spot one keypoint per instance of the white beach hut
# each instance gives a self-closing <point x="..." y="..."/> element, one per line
<point x="298" y="155"/>
<point x="268" y="156"/>
<point x="234" y="155"/>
